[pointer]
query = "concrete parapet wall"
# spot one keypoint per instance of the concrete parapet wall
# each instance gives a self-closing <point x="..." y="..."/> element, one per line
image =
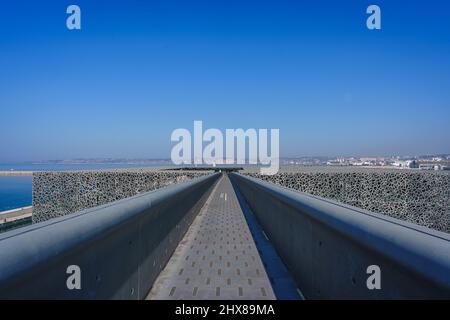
<point x="330" y="248"/>
<point x="420" y="197"/>
<point x="56" y="194"/>
<point x="119" y="248"/>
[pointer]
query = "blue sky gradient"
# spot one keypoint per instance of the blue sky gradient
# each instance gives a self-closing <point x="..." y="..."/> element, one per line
<point x="139" y="69"/>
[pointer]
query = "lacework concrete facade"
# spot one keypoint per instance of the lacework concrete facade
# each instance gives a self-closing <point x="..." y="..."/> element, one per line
<point x="59" y="193"/>
<point x="418" y="196"/>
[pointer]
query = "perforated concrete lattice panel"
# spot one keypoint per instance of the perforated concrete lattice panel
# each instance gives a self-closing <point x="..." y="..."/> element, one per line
<point x="421" y="197"/>
<point x="418" y="196"/>
<point x="59" y="193"/>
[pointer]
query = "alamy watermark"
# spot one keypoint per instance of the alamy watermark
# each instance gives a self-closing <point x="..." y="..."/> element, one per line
<point x="190" y="148"/>
<point x="374" y="280"/>
<point x="73" y="281"/>
<point x="374" y="20"/>
<point x="73" y="21"/>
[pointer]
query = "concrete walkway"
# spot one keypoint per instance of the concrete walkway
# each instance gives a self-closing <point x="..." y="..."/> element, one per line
<point x="16" y="214"/>
<point x="217" y="258"/>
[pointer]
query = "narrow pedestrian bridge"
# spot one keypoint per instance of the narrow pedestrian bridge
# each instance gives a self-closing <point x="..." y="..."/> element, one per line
<point x="224" y="236"/>
<point x="217" y="257"/>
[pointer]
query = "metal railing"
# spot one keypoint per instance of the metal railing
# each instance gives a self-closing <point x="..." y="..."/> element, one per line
<point x="117" y="250"/>
<point x="336" y="251"/>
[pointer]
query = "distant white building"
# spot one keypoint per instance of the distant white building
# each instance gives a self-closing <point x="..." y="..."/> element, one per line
<point x="338" y="162"/>
<point x="426" y="166"/>
<point x="405" y="164"/>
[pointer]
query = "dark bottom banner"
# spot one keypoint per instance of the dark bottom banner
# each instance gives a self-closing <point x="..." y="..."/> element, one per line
<point x="227" y="309"/>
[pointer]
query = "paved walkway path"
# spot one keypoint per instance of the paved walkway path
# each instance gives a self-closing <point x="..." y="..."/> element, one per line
<point x="217" y="258"/>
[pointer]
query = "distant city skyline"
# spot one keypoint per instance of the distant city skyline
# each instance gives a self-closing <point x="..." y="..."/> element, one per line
<point x="137" y="70"/>
<point x="445" y="156"/>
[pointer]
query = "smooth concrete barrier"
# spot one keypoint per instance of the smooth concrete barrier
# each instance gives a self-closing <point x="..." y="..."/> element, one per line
<point x="331" y="248"/>
<point x="120" y="248"/>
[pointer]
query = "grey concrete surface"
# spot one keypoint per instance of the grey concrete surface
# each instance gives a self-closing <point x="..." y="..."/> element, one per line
<point x="217" y="258"/>
<point x="328" y="247"/>
<point x="120" y="247"/>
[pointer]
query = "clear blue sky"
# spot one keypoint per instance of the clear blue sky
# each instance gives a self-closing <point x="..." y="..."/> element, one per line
<point x="139" y="69"/>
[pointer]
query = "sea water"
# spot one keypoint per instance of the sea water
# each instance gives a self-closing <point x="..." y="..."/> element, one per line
<point x="15" y="192"/>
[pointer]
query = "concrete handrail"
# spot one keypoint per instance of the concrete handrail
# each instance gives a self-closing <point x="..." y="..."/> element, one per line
<point x="120" y="248"/>
<point x="328" y="246"/>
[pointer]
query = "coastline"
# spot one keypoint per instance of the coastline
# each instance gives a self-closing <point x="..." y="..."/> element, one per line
<point x="15" y="218"/>
<point x="16" y="173"/>
<point x="16" y="214"/>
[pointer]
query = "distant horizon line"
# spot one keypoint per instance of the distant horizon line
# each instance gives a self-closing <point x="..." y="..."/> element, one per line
<point x="127" y="160"/>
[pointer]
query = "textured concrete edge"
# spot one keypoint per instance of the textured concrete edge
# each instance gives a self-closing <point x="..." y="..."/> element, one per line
<point x="120" y="247"/>
<point x="336" y="238"/>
